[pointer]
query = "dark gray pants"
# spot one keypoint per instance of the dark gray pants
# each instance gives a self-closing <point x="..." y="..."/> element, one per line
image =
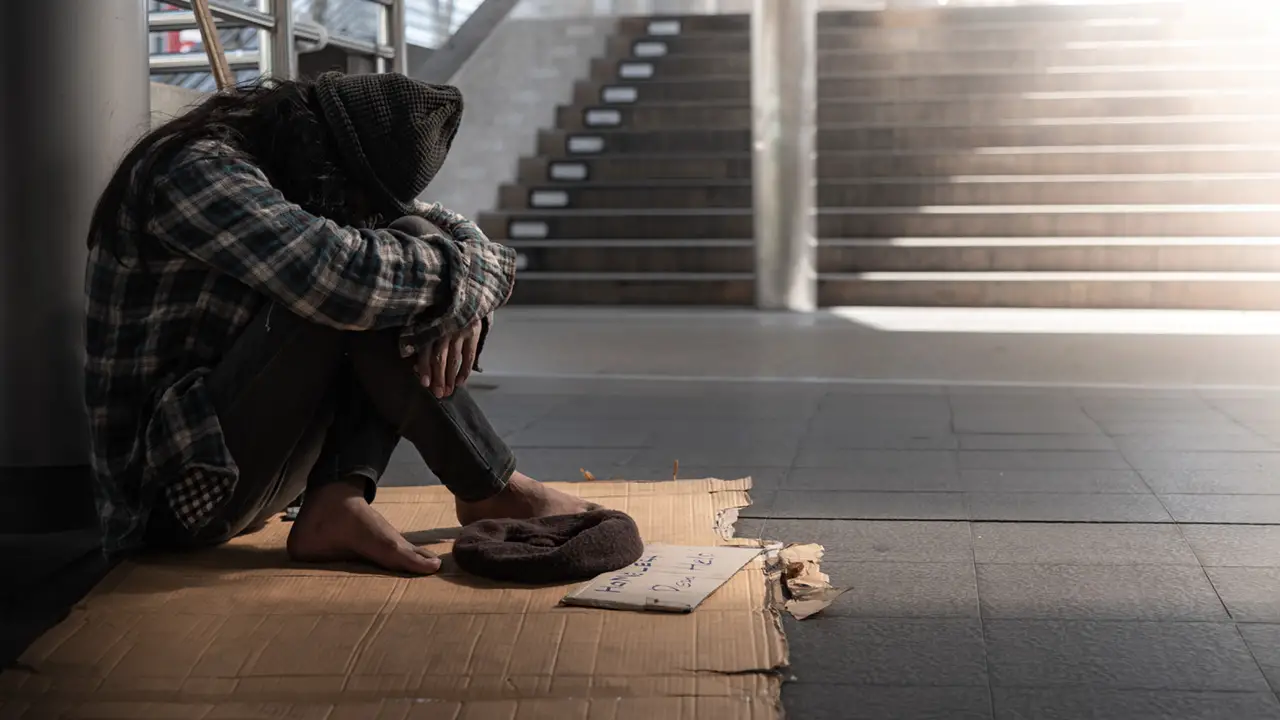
<point x="302" y="404"/>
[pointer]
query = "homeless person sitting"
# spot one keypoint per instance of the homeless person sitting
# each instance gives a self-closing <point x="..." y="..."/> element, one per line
<point x="254" y="330"/>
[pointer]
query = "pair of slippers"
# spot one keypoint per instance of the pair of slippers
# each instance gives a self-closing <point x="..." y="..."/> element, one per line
<point x="550" y="550"/>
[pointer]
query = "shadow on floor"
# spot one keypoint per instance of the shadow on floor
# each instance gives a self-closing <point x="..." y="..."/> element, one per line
<point x="50" y="551"/>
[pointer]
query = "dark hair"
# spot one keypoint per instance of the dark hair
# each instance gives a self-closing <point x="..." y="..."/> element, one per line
<point x="273" y="124"/>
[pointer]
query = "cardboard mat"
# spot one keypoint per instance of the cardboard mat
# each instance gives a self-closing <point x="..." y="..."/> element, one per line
<point x="237" y="632"/>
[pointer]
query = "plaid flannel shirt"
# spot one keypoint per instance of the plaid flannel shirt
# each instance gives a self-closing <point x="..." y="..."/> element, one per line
<point x="219" y="244"/>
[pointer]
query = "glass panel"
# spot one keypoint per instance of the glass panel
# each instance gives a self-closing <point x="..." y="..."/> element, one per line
<point x="158" y="6"/>
<point x="189" y="42"/>
<point x="358" y="19"/>
<point x="202" y="81"/>
<point x="430" y="23"/>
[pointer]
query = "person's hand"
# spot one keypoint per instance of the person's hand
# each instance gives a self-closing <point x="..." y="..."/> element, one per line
<point x="449" y="361"/>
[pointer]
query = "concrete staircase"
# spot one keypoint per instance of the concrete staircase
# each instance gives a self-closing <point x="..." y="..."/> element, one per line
<point x="642" y="192"/>
<point x="1105" y="156"/>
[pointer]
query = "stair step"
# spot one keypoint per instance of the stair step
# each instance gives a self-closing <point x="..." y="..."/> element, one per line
<point x="1050" y="254"/>
<point x="931" y="61"/>
<point x="669" y="290"/>
<point x="1153" y="78"/>
<point x="1174" y="130"/>
<point x="1207" y="291"/>
<point x="983" y="110"/>
<point x="1026" y="35"/>
<point x="631" y="92"/>
<point x="685" y="24"/>
<point x="1010" y="36"/>
<point x="898" y="192"/>
<point x="927" y="221"/>
<point x="973" y="110"/>
<point x="1051" y="221"/>
<point x="643" y="256"/>
<point x="916" y="255"/>
<point x="983" y="60"/>
<point x="639" y="195"/>
<point x="962" y="16"/>
<point x="833" y="20"/>
<point x="633" y="224"/>
<point x="539" y="170"/>
<point x="898" y="87"/>
<point x="1048" y="160"/>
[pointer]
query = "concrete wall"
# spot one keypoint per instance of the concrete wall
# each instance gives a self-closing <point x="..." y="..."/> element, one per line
<point x="168" y="101"/>
<point x="511" y="86"/>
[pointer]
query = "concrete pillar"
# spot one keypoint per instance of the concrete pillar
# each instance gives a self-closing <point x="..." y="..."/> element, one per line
<point x="784" y="130"/>
<point x="74" y="79"/>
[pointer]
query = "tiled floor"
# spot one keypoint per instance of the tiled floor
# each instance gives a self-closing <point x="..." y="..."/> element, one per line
<point x="1067" y="544"/>
<point x="1010" y="553"/>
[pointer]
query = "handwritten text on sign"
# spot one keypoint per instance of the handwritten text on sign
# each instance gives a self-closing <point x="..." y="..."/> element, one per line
<point x="673" y="578"/>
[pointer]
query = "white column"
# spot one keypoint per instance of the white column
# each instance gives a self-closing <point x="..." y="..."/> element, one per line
<point x="784" y="132"/>
<point x="75" y="81"/>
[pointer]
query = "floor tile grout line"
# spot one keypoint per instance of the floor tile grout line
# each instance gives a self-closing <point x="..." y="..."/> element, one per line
<point x="1055" y="688"/>
<point x="973" y="554"/>
<point x="991" y="521"/>
<point x="1238" y="422"/>
<point x="1183" y="537"/>
<point x="1225" y="607"/>
<point x="1134" y="469"/>
<point x="982" y="626"/>
<point x="1046" y="620"/>
<point x="786" y="476"/>
<point x="941" y="384"/>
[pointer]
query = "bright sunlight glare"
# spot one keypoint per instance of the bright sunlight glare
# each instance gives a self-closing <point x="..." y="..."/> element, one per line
<point x="1050" y="321"/>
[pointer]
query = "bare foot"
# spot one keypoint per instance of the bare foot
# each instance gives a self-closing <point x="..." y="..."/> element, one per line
<point x="336" y="524"/>
<point x="523" y="498"/>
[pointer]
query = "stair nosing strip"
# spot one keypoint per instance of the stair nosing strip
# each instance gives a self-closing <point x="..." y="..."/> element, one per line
<point x="1096" y="121"/>
<point x="991" y="150"/>
<point x="637" y="277"/>
<point x="1053" y="242"/>
<point x="1081" y="95"/>
<point x="1081" y="46"/>
<point x="631" y="243"/>
<point x="1054" y="276"/>
<point x="940" y="181"/>
<point x="1063" y="71"/>
<point x="923" y="210"/>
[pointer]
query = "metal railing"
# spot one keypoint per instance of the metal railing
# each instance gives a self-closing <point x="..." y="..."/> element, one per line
<point x="263" y="37"/>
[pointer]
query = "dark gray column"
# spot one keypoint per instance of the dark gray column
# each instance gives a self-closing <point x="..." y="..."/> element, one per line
<point x="74" y="83"/>
<point x="784" y="128"/>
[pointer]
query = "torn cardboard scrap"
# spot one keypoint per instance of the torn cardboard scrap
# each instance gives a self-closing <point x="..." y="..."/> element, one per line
<point x="808" y="590"/>
<point x="239" y="632"/>
<point x="667" y="578"/>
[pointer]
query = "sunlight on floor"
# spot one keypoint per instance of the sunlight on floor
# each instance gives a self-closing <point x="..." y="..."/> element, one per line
<point x="1041" y="321"/>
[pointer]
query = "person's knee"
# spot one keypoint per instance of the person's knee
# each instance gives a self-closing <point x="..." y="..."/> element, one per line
<point x="415" y="226"/>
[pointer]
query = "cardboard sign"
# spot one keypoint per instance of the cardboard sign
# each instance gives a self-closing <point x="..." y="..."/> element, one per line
<point x="667" y="578"/>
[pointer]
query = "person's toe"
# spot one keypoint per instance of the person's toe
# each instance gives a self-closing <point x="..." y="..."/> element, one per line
<point x="420" y="561"/>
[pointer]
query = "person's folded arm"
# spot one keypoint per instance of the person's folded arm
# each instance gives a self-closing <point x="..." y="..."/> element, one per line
<point x="465" y="232"/>
<point x="221" y="210"/>
<point x="451" y="223"/>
